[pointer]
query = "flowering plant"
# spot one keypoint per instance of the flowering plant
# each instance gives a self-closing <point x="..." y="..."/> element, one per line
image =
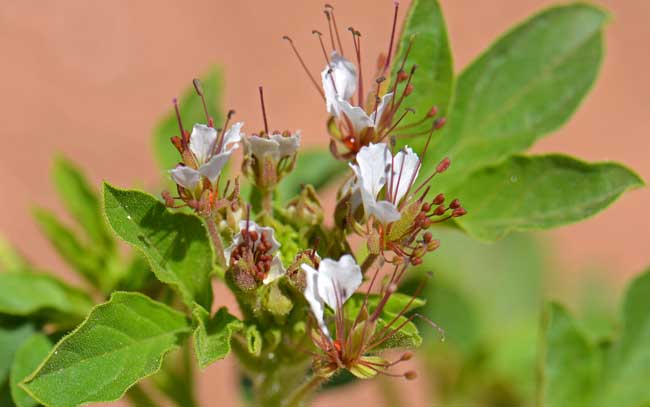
<point x="313" y="305"/>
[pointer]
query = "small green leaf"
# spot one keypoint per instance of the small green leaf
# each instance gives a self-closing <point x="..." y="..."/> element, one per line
<point x="27" y="359"/>
<point x="539" y="192"/>
<point x="628" y="363"/>
<point x="254" y="340"/>
<point x="121" y="342"/>
<point x="10" y="258"/>
<point x="212" y="335"/>
<point x="433" y="81"/>
<point x="316" y="167"/>
<point x="571" y="361"/>
<point x="82" y="201"/>
<point x="527" y="84"/>
<point x="192" y="112"/>
<point x="37" y="294"/>
<point x="69" y="247"/>
<point x="175" y="244"/>
<point x="11" y="338"/>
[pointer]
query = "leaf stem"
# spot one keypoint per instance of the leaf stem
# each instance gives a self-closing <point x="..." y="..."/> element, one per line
<point x="217" y="244"/>
<point x="368" y="262"/>
<point x="301" y="394"/>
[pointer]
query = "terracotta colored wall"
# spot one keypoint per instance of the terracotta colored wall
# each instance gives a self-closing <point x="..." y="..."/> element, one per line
<point x="89" y="79"/>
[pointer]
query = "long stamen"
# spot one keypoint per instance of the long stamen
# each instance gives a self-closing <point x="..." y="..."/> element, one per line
<point x="336" y="28"/>
<point x="184" y="137"/>
<point x="322" y="45"/>
<point x="406" y="87"/>
<point x="222" y="135"/>
<point x="377" y="98"/>
<point x="199" y="91"/>
<point x="406" y="111"/>
<point x="401" y="70"/>
<point x="304" y="66"/>
<point x="356" y="38"/>
<point x="266" y="124"/>
<point x="392" y="37"/>
<point x="329" y="28"/>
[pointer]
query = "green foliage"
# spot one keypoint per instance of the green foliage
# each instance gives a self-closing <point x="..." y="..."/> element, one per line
<point x="315" y="167"/>
<point x="526" y="85"/>
<point x="121" y="342"/>
<point x="192" y="112"/>
<point x="212" y="335"/>
<point x="574" y="370"/>
<point x="434" y="79"/>
<point x="81" y="200"/>
<point x="12" y="335"/>
<point x="539" y="192"/>
<point x="31" y="294"/>
<point x="10" y="259"/>
<point x="175" y="244"/>
<point x="27" y="359"/>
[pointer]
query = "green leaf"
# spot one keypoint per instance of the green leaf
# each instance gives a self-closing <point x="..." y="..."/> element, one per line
<point x="539" y="192"/>
<point x="316" y="167"/>
<point x="192" y="112"/>
<point x="525" y="86"/>
<point x="27" y="359"/>
<point x="628" y="363"/>
<point x="121" y="342"/>
<point x="10" y="258"/>
<point x="37" y="294"/>
<point x="433" y="81"/>
<point x="11" y="337"/>
<point x="571" y="361"/>
<point x="175" y="244"/>
<point x="212" y="335"/>
<point x="69" y="247"/>
<point x="82" y="201"/>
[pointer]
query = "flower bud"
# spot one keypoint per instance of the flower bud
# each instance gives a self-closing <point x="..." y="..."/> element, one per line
<point x="443" y="165"/>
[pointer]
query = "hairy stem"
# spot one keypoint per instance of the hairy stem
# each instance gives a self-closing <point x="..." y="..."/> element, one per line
<point x="215" y="238"/>
<point x="267" y="201"/>
<point x="302" y="393"/>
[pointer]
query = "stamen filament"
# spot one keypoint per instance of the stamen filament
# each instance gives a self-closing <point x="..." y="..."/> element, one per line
<point x="304" y="66"/>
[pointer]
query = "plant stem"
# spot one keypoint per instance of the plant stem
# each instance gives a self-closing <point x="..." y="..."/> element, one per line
<point x="217" y="244"/>
<point x="305" y="390"/>
<point x="267" y="201"/>
<point x="139" y="398"/>
<point x="368" y="262"/>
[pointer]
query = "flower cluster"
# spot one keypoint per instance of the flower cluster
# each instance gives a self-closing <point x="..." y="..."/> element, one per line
<point x="273" y="259"/>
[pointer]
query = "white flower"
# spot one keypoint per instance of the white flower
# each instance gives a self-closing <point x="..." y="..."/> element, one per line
<point x="277" y="270"/>
<point x="359" y="118"/>
<point x="276" y="146"/>
<point x="373" y="172"/>
<point x="209" y="162"/>
<point x="333" y="284"/>
<point x="339" y="81"/>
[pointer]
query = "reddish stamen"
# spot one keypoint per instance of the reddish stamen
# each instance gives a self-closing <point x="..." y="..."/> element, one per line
<point x="336" y="29"/>
<point x="199" y="91"/>
<point x="392" y="37"/>
<point x="304" y="66"/>
<point x="266" y="124"/>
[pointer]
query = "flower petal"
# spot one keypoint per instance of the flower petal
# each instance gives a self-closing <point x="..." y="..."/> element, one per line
<point x="252" y="226"/>
<point x="339" y="80"/>
<point x="261" y="147"/>
<point x="186" y="177"/>
<point x="313" y="297"/>
<point x="232" y="137"/>
<point x="202" y="142"/>
<point x="373" y="161"/>
<point x="276" y="271"/>
<point x="384" y="211"/>
<point x="344" y="278"/>
<point x="357" y="116"/>
<point x="212" y="168"/>
<point x="385" y="100"/>
<point x="405" y="162"/>
<point x="287" y="145"/>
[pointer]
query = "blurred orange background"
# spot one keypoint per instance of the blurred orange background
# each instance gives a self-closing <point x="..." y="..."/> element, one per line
<point x="90" y="79"/>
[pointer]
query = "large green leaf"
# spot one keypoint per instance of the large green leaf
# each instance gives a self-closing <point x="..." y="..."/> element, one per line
<point x="71" y="249"/>
<point x="192" y="112"/>
<point x="12" y="335"/>
<point x="38" y="294"/>
<point x="526" y="85"/>
<point x="175" y="244"/>
<point x="538" y="192"/>
<point x="571" y="362"/>
<point x="315" y="167"/>
<point x="628" y="364"/>
<point x="434" y="79"/>
<point x="121" y="342"/>
<point x="27" y="359"/>
<point x="82" y="201"/>
<point x="212" y="335"/>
